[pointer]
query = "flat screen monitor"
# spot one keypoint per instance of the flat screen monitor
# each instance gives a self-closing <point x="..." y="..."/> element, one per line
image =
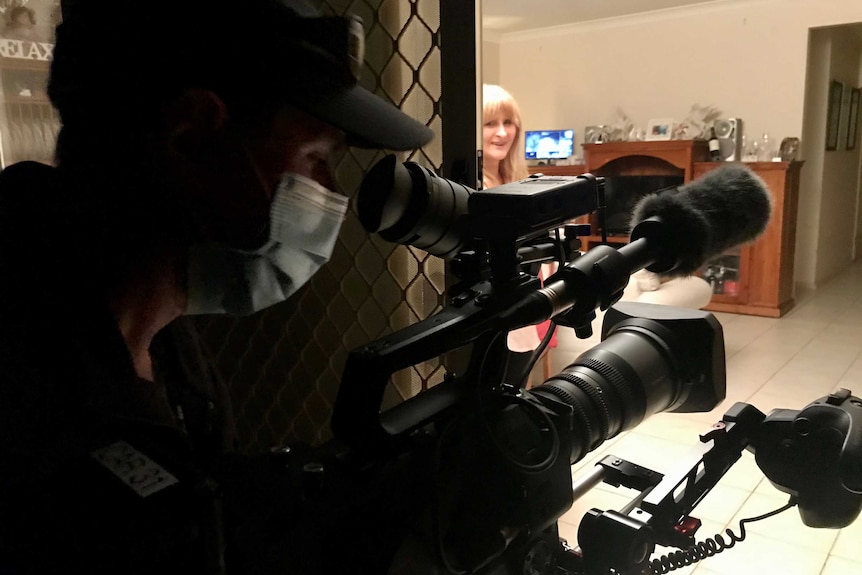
<point x="549" y="144"/>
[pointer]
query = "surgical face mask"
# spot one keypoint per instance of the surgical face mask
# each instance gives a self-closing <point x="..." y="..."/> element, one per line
<point x="305" y="219"/>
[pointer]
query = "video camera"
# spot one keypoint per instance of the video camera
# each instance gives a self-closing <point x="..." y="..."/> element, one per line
<point x="500" y="454"/>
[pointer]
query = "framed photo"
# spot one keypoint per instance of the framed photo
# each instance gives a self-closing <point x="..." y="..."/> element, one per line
<point x="660" y="129"/>
<point x="853" y="118"/>
<point x="833" y="114"/>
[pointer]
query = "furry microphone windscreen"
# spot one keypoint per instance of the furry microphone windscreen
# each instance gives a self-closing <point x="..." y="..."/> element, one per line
<point x="727" y="207"/>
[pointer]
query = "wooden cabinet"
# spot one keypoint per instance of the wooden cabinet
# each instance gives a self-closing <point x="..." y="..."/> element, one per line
<point x="755" y="279"/>
<point x="653" y="158"/>
<point x="667" y="157"/>
<point x="554" y="170"/>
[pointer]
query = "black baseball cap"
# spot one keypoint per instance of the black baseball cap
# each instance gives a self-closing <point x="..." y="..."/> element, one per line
<point x="250" y="52"/>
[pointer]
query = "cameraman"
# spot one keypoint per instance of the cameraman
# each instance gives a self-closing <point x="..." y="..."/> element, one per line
<point x="193" y="178"/>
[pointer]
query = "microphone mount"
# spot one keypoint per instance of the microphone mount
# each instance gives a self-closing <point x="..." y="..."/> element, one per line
<point x="595" y="280"/>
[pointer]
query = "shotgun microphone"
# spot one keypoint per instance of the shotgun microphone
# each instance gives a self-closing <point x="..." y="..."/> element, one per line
<point x="676" y="231"/>
<point x="727" y="207"/>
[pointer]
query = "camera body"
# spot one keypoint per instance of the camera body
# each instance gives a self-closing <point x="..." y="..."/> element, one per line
<point x="815" y="455"/>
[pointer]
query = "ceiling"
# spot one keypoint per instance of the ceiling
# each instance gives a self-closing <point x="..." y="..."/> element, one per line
<point x="503" y="16"/>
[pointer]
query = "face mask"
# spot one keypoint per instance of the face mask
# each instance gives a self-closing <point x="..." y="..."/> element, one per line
<point x="305" y="219"/>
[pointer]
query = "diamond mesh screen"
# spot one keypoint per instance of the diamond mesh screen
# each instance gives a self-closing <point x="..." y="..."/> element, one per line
<point x="284" y="364"/>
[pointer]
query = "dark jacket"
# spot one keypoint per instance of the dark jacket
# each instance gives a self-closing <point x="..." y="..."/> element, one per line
<point x="97" y="467"/>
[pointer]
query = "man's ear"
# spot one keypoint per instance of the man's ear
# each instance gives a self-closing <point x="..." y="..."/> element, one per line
<point x="193" y="119"/>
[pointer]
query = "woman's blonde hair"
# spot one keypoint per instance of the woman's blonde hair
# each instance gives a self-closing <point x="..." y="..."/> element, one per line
<point x="495" y="101"/>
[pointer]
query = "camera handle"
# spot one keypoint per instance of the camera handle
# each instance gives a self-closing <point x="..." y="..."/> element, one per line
<point x="625" y="540"/>
<point x="473" y="315"/>
<point x="813" y="454"/>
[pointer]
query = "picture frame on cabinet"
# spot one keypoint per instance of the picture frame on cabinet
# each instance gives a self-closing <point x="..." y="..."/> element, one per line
<point x="853" y="118"/>
<point x="659" y="129"/>
<point x="833" y="114"/>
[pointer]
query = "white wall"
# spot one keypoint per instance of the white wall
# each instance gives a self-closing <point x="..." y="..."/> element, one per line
<point x="491" y="61"/>
<point x="747" y="57"/>
<point x="837" y="216"/>
<point x="811" y="177"/>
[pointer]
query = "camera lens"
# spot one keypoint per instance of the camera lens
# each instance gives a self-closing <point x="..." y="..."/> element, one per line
<point x="409" y="204"/>
<point x="615" y="385"/>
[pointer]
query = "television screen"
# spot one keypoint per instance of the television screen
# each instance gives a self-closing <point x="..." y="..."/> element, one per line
<point x="549" y="144"/>
<point x="623" y="192"/>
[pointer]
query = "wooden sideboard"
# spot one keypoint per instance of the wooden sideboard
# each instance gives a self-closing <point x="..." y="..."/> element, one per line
<point x="754" y="279"/>
<point x="555" y="170"/>
<point x="665" y="157"/>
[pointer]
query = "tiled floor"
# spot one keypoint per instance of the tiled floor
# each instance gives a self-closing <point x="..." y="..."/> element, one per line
<point x="771" y="363"/>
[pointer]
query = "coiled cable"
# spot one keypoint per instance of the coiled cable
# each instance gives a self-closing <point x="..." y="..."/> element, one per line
<point x="710" y="546"/>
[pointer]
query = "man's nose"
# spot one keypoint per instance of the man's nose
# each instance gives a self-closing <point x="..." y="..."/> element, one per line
<point x="320" y="172"/>
<point x="326" y="178"/>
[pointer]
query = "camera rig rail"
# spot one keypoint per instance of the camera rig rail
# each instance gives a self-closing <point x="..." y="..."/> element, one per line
<point x="812" y="454"/>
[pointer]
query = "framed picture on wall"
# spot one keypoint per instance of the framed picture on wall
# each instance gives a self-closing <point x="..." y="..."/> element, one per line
<point x="833" y="114"/>
<point x="660" y="129"/>
<point x="853" y="118"/>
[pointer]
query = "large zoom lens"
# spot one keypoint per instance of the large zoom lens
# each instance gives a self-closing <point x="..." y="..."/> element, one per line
<point x="652" y="358"/>
<point x="408" y="204"/>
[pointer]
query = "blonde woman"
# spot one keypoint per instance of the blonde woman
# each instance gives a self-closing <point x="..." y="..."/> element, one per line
<point x="503" y="151"/>
<point x="503" y="162"/>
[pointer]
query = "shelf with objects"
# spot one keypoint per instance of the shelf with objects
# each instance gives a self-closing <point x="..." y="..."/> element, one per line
<point x="725" y="276"/>
<point x="28" y="122"/>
